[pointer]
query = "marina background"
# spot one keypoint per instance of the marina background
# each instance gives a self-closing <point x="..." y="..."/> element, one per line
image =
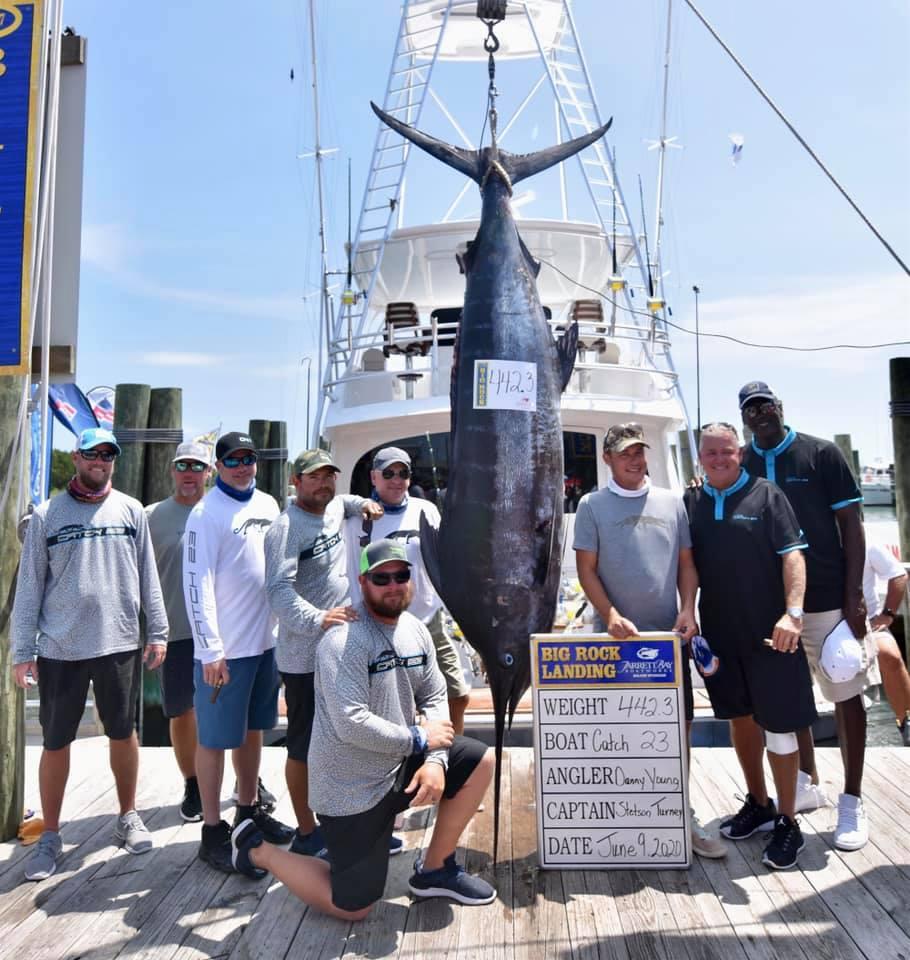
<point x="200" y="240"/>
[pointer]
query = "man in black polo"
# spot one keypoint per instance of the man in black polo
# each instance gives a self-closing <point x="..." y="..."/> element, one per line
<point x="748" y="552"/>
<point x="822" y="490"/>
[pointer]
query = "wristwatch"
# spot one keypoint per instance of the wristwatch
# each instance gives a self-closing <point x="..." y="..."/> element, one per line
<point x="888" y="612"/>
<point x="795" y="612"/>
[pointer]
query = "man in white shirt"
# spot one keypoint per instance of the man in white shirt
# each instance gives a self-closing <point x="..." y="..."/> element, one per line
<point x="882" y="564"/>
<point x="235" y="675"/>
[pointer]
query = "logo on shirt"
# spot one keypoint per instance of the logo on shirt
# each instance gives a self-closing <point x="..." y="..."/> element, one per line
<point x="643" y="520"/>
<point x="254" y="523"/>
<point x="322" y="544"/>
<point x="74" y="531"/>
<point x="743" y="516"/>
<point x="389" y="660"/>
<point x="796" y="480"/>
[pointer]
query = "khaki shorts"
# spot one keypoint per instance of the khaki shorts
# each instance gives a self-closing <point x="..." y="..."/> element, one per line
<point x="447" y="657"/>
<point x="817" y="626"/>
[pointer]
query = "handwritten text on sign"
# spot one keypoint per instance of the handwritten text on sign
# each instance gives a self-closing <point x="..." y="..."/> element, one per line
<point x="505" y="385"/>
<point x="609" y="737"/>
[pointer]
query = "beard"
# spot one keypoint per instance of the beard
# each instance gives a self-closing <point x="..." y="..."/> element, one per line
<point x="391" y="607"/>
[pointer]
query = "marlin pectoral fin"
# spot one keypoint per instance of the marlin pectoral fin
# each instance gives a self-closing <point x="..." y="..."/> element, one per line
<point x="566" y="350"/>
<point x="465" y="161"/>
<point x="523" y="165"/>
<point x="429" y="550"/>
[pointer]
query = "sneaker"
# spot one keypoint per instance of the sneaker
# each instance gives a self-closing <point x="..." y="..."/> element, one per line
<point x="244" y="837"/>
<point x="43" y="861"/>
<point x="809" y="795"/>
<point x="451" y="881"/>
<point x="272" y="830"/>
<point x="309" y="844"/>
<point x="265" y="798"/>
<point x="750" y="819"/>
<point x="852" y="830"/>
<point x="133" y="833"/>
<point x="706" y="844"/>
<point x="904" y="727"/>
<point x="191" y="807"/>
<point x="396" y="845"/>
<point x="784" y="846"/>
<point x="215" y="848"/>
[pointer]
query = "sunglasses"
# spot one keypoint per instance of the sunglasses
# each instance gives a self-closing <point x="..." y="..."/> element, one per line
<point x="402" y="474"/>
<point x="181" y="466"/>
<point x="756" y="408"/>
<point x="248" y="459"/>
<point x="95" y="454"/>
<point x="384" y="579"/>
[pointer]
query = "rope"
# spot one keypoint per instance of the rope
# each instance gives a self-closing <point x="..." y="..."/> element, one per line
<point x="149" y="435"/>
<point x="900" y="408"/>
<point x="273" y="453"/>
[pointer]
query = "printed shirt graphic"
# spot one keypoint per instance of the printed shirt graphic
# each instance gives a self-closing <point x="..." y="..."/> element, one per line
<point x="224" y="576"/>
<point x="85" y="572"/>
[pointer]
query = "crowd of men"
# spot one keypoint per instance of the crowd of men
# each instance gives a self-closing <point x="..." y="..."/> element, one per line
<point x="761" y="569"/>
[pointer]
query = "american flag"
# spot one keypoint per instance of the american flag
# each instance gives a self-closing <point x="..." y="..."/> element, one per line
<point x="102" y="401"/>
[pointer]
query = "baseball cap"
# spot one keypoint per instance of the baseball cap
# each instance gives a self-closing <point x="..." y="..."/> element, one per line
<point x="755" y="390"/>
<point x="231" y="442"/>
<point x="193" y="451"/>
<point x="842" y="656"/>
<point x="389" y="455"/>
<point x="311" y="460"/>
<point x="623" y="435"/>
<point x="94" y="437"/>
<point x="382" y="551"/>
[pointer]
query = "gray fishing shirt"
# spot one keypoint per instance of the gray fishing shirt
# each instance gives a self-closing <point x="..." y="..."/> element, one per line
<point x="85" y="570"/>
<point x="371" y="680"/>
<point x="167" y="522"/>
<point x="305" y="575"/>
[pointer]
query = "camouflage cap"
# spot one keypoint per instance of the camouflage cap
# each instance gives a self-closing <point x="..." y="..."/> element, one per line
<point x="621" y="436"/>
<point x="311" y="460"/>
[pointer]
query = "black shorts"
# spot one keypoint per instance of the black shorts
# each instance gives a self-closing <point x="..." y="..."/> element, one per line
<point x="176" y="678"/>
<point x="358" y="845"/>
<point x="688" y="695"/>
<point x="775" y="688"/>
<point x="63" y="687"/>
<point x="301" y="701"/>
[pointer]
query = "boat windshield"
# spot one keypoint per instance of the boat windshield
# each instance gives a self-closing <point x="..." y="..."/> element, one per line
<point x="429" y="453"/>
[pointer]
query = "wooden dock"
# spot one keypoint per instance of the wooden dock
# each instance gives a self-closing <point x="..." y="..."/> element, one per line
<point x="104" y="903"/>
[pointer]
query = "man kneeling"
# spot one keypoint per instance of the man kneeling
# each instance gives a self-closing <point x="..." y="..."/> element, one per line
<point x="382" y="741"/>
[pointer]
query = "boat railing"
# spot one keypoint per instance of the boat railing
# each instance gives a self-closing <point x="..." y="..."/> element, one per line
<point x="405" y="361"/>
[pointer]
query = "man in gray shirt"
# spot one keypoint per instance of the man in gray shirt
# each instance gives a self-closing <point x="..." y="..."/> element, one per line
<point x="382" y="742"/>
<point x="307" y="586"/>
<point x="87" y="567"/>
<point x="633" y="552"/>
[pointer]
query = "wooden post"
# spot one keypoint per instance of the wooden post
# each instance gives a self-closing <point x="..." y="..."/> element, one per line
<point x="845" y="445"/>
<point x="12" y="701"/>
<point x="278" y="469"/>
<point x="131" y="411"/>
<point x="900" y="430"/>
<point x="165" y="412"/>
<point x="259" y="434"/>
<point x="857" y="469"/>
<point x="685" y="453"/>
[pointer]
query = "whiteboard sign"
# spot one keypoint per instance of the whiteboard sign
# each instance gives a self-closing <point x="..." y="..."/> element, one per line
<point x="505" y="385"/>
<point x="610" y="752"/>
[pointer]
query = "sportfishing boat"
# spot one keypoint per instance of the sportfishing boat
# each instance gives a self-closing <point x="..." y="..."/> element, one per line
<point x="877" y="485"/>
<point x="386" y="378"/>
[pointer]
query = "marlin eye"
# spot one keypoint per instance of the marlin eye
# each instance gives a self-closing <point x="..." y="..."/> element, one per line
<point x="507" y="659"/>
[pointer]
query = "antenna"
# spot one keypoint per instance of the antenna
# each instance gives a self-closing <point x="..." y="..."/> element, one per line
<point x="655" y="303"/>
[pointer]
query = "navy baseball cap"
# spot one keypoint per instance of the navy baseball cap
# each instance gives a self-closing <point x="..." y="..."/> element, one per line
<point x="756" y="390"/>
<point x="233" y="441"/>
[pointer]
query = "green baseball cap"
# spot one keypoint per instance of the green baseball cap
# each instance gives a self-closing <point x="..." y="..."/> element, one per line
<point x="312" y="460"/>
<point x="382" y="551"/>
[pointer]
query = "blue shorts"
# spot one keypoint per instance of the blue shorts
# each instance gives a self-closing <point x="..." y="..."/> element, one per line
<point x="248" y="702"/>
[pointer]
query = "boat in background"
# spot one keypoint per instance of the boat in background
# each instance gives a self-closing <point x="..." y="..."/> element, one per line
<point x="877" y="485"/>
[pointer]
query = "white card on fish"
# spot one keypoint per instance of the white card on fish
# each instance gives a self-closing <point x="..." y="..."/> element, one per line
<point x="505" y="385"/>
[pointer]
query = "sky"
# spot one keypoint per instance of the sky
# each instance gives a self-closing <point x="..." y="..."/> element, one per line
<point x="200" y="246"/>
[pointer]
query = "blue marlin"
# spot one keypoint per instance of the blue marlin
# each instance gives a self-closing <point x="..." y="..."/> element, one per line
<point x="495" y="560"/>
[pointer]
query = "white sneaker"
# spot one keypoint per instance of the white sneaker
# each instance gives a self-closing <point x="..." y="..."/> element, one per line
<point x="852" y="830"/>
<point x="133" y="833"/>
<point x="809" y="795"/>
<point x="706" y="844"/>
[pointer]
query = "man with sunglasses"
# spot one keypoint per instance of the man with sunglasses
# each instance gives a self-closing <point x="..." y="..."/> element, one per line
<point x="167" y="521"/>
<point x="235" y="677"/>
<point x="308" y="589"/>
<point x="633" y="552"/>
<point x="87" y="568"/>
<point x="382" y="742"/>
<point x="823" y="492"/>
<point x="391" y="479"/>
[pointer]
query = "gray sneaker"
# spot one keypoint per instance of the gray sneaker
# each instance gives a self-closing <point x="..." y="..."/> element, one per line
<point x="43" y="861"/>
<point x="133" y="833"/>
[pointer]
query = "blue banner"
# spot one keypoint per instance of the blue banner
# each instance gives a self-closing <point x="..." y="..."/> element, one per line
<point x="71" y="407"/>
<point x="599" y="660"/>
<point x="20" y="35"/>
